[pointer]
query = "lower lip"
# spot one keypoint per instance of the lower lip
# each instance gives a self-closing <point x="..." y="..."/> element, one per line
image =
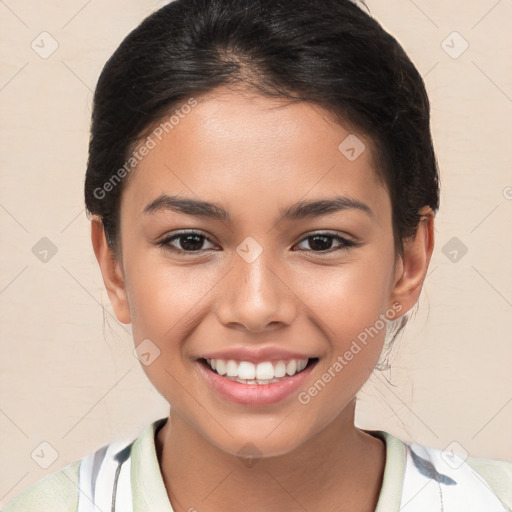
<point x="255" y="394"/>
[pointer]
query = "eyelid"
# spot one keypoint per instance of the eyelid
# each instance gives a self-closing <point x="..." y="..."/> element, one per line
<point x="335" y="234"/>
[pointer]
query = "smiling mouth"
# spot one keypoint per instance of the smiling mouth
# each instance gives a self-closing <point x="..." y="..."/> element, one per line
<point x="264" y="373"/>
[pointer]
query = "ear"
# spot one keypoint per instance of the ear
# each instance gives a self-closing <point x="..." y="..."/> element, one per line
<point x="411" y="268"/>
<point x="111" y="270"/>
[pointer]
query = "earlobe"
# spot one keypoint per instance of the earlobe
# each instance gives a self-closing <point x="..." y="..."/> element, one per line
<point x="412" y="267"/>
<point x="111" y="271"/>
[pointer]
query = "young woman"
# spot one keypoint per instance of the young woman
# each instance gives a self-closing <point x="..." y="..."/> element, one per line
<point x="262" y="188"/>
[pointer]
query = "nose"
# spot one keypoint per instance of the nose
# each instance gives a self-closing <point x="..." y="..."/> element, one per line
<point x="257" y="296"/>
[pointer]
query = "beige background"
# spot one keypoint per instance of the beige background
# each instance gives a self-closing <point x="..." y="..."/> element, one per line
<point x="71" y="380"/>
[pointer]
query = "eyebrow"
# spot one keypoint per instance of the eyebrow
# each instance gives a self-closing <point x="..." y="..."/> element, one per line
<point x="297" y="211"/>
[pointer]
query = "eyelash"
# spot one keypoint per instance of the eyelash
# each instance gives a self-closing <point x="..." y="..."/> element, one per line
<point x="166" y="242"/>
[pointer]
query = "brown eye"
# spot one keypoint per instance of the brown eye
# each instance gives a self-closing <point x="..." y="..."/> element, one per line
<point x="188" y="241"/>
<point x="322" y="242"/>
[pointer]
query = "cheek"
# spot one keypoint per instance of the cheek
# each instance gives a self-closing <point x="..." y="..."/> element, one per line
<point x="164" y="299"/>
<point x="165" y="303"/>
<point x="349" y="302"/>
<point x="348" y="298"/>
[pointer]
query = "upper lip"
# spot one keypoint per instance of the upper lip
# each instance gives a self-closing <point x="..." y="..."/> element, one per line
<point x="255" y="355"/>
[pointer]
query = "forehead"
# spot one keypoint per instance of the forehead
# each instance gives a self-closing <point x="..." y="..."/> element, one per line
<point x="231" y="140"/>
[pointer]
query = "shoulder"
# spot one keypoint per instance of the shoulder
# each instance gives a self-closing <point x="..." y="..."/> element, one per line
<point x="56" y="492"/>
<point x="62" y="490"/>
<point x="497" y="474"/>
<point x="467" y="483"/>
<point x="478" y="482"/>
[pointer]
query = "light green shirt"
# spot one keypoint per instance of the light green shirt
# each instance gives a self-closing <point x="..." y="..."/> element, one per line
<point x="58" y="491"/>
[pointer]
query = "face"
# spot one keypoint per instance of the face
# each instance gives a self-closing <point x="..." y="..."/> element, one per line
<point x="261" y="277"/>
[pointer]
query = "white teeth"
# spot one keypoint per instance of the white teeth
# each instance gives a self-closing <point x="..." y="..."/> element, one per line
<point x="246" y="371"/>
<point x="221" y="367"/>
<point x="261" y="373"/>
<point x="291" y="367"/>
<point x="280" y="369"/>
<point x="264" y="371"/>
<point x="231" y="369"/>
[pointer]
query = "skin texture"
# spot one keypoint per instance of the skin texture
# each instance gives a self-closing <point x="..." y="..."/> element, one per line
<point x="255" y="156"/>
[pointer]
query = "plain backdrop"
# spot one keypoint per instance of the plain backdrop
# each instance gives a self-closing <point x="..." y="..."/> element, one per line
<point x="69" y="381"/>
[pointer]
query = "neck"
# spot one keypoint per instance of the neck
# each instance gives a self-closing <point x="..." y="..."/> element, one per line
<point x="340" y="468"/>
